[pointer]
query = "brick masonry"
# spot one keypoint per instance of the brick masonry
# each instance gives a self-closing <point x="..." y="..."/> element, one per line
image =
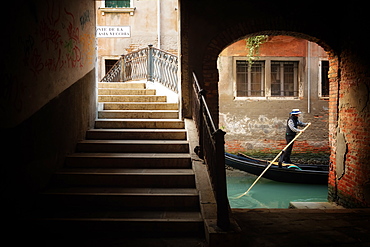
<point x="349" y="182"/>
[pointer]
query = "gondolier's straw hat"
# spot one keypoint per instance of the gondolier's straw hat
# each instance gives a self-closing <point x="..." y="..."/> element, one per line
<point x="296" y="111"/>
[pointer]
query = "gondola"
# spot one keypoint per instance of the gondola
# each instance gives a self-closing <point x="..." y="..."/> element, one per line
<point x="289" y="173"/>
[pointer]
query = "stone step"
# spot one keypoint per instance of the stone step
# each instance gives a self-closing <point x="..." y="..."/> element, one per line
<point x="114" y="91"/>
<point x="129" y="85"/>
<point x="136" y="134"/>
<point x="128" y="224"/>
<point x="149" y="114"/>
<point x="131" y="98"/>
<point x="141" y="106"/>
<point x="170" y="199"/>
<point x="119" y="177"/>
<point x="129" y="160"/>
<point x="131" y="177"/>
<point x="139" y="124"/>
<point x="133" y="146"/>
<point x="314" y="205"/>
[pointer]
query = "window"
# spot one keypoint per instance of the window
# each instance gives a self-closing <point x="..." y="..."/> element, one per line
<point x="109" y="63"/>
<point x="118" y="4"/>
<point x="324" y="87"/>
<point x="269" y="78"/>
<point x="284" y="78"/>
<point x="250" y="79"/>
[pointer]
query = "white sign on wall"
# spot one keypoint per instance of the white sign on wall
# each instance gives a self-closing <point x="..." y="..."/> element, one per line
<point x="113" y="32"/>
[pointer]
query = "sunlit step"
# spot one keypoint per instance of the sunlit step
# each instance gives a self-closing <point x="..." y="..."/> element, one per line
<point x="141" y="106"/>
<point x="151" y="114"/>
<point x="139" y="124"/>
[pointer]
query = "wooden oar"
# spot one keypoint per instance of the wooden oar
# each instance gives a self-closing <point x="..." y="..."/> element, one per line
<point x="277" y="156"/>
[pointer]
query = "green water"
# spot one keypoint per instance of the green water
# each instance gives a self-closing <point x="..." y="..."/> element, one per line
<point x="270" y="194"/>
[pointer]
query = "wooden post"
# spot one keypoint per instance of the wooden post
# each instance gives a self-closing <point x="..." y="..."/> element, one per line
<point x="223" y="220"/>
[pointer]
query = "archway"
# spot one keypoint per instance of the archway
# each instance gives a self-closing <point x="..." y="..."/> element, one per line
<point x="210" y="71"/>
<point x="207" y="27"/>
<point x="340" y="190"/>
<point x="211" y="77"/>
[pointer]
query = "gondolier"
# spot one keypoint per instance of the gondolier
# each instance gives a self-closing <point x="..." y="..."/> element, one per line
<point x="291" y="131"/>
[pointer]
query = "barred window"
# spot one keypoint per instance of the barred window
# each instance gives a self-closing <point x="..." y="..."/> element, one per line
<point x="109" y="63"/>
<point x="284" y="78"/>
<point x="250" y="79"/>
<point x="324" y="87"/>
<point x="117" y="4"/>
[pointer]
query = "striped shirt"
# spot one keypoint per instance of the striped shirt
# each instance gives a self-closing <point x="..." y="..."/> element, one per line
<point x="294" y="129"/>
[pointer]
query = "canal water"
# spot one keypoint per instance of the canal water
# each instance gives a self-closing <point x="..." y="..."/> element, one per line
<point x="270" y="194"/>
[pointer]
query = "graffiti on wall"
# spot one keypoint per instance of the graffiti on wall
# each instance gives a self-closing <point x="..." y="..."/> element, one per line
<point x="58" y="41"/>
<point x="48" y="42"/>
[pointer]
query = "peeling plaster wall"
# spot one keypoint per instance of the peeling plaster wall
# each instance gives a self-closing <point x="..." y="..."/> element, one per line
<point x="259" y="124"/>
<point x="341" y="151"/>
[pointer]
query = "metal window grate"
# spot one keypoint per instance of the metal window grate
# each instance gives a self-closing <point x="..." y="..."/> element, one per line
<point x="250" y="78"/>
<point x="117" y="4"/>
<point x="284" y="78"/>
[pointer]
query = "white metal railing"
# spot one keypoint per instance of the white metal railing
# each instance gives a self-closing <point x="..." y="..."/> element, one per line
<point x="148" y="63"/>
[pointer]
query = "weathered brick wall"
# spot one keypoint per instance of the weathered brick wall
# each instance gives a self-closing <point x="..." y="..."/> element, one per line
<point x="349" y="182"/>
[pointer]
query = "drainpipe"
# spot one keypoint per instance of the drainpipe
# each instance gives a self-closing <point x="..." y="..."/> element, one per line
<point x="159" y="23"/>
<point x="309" y="77"/>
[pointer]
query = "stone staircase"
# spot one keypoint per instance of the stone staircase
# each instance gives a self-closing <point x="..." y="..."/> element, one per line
<point x="131" y="177"/>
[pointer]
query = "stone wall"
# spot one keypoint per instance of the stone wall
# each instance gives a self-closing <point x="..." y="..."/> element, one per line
<point x="51" y="45"/>
<point x="48" y="98"/>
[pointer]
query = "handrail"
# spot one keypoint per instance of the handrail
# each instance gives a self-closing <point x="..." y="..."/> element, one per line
<point x="148" y="63"/>
<point x="211" y="149"/>
<point x="201" y="93"/>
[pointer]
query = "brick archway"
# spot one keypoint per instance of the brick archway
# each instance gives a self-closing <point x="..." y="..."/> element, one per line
<point x="209" y="64"/>
<point x="207" y="29"/>
<point x="211" y="77"/>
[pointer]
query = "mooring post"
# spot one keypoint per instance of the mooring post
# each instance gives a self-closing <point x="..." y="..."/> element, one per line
<point x="223" y="220"/>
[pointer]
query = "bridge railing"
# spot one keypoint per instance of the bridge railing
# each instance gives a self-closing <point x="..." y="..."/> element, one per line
<point x="211" y="149"/>
<point x="148" y="63"/>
